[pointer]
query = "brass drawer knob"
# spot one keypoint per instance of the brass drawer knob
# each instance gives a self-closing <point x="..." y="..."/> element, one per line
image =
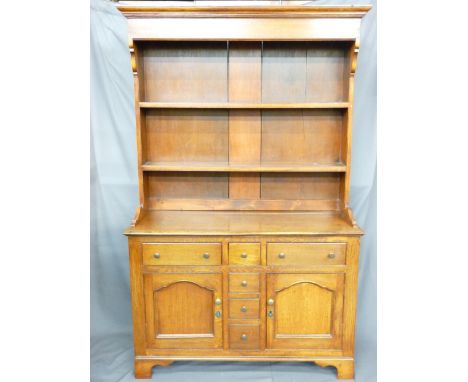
<point x="157" y="255"/>
<point x="244" y="283"/>
<point x="282" y="255"/>
<point x="243" y="337"/>
<point x="244" y="309"/>
<point x="206" y="255"/>
<point x="218" y="301"/>
<point x="243" y="255"/>
<point x="331" y="255"/>
<point x="271" y="301"/>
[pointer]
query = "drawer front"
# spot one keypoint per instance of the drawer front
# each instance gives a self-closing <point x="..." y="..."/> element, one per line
<point x="244" y="282"/>
<point x="244" y="308"/>
<point x="244" y="337"/>
<point x="244" y="253"/>
<point x="182" y="253"/>
<point x="306" y="253"/>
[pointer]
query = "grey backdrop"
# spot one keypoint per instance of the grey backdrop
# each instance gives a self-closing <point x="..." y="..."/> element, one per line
<point x="114" y="197"/>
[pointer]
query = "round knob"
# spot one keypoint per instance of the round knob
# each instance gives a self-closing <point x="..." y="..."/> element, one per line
<point x="244" y="255"/>
<point x="331" y="255"/>
<point x="244" y="283"/>
<point x="218" y="301"/>
<point x="271" y="301"/>
<point x="157" y="255"/>
<point x="244" y="309"/>
<point x="243" y="337"/>
<point x="282" y="255"/>
<point x="206" y="255"/>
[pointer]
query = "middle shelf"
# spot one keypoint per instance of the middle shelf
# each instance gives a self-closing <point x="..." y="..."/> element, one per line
<point x="242" y="105"/>
<point x="226" y="167"/>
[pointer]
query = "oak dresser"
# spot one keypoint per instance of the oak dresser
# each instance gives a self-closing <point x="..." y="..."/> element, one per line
<point x="243" y="247"/>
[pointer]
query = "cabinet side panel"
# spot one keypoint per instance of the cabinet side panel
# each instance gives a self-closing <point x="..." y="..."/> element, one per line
<point x="137" y="296"/>
<point x="346" y="144"/>
<point x="138" y="83"/>
<point x="350" y="296"/>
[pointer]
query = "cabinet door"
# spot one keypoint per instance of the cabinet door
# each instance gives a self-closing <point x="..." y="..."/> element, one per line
<point x="182" y="311"/>
<point x="304" y="311"/>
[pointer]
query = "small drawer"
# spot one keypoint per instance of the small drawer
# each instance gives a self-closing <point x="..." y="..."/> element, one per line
<point x="245" y="337"/>
<point x="306" y="253"/>
<point x="244" y="282"/>
<point x="244" y="307"/>
<point x="244" y="253"/>
<point x="182" y="253"/>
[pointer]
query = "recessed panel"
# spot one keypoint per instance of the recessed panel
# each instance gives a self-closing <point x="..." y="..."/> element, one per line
<point x="304" y="309"/>
<point x="183" y="308"/>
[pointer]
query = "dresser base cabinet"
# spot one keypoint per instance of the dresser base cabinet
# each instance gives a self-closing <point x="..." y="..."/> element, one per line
<point x="243" y="246"/>
<point x="295" y="310"/>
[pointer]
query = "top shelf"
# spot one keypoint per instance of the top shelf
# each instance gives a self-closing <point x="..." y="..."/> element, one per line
<point x="236" y="105"/>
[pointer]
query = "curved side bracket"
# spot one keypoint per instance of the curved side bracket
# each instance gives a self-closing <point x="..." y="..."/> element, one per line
<point x="132" y="56"/>
<point x="348" y="215"/>
<point x="137" y="216"/>
<point x="354" y="56"/>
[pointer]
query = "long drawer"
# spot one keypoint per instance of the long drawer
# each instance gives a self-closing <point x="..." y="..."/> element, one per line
<point x="306" y="253"/>
<point x="182" y="253"/>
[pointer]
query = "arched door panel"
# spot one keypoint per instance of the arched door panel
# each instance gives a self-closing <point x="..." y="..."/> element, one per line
<point x="304" y="311"/>
<point x="181" y="311"/>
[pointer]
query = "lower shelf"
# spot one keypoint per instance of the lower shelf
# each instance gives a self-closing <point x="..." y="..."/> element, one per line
<point x="226" y="167"/>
